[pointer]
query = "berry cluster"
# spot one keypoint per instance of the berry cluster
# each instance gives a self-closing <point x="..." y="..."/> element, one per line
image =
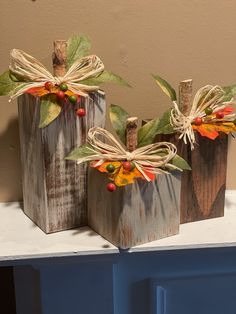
<point x="127" y="166"/>
<point x="61" y="95"/>
<point x="209" y="111"/>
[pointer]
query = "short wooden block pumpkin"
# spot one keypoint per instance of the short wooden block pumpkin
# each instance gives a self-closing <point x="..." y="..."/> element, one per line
<point x="55" y="189"/>
<point x="137" y="213"/>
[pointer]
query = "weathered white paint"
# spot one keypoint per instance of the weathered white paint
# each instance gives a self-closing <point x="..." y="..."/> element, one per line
<point x="55" y="189"/>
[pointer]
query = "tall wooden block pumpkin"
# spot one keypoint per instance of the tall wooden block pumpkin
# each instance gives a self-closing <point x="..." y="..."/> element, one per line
<point x="55" y="189"/>
<point x="203" y="189"/>
<point x="137" y="213"/>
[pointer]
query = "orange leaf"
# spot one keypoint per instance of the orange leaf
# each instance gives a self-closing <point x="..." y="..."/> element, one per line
<point x="102" y="167"/>
<point x="206" y="130"/>
<point x="227" y="110"/>
<point x="150" y="175"/>
<point x="212" y="130"/>
<point x="120" y="176"/>
<point x="37" y="91"/>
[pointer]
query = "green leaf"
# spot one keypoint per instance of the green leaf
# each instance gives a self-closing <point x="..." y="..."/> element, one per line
<point x="147" y="133"/>
<point x="230" y="92"/>
<point x="105" y="77"/>
<point x="80" y="152"/>
<point x="77" y="47"/>
<point x="164" y="126"/>
<point x="166" y="87"/>
<point x="180" y="163"/>
<point x="118" y="117"/>
<point x="49" y="110"/>
<point x="7" y="85"/>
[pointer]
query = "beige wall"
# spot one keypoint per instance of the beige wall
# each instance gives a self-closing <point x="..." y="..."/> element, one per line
<point x="178" y="39"/>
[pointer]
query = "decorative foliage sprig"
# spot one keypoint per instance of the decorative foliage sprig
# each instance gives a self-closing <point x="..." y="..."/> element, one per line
<point x="84" y="74"/>
<point x="108" y="155"/>
<point x="211" y="113"/>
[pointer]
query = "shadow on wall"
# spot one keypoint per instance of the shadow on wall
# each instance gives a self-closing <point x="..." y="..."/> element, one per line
<point x="10" y="168"/>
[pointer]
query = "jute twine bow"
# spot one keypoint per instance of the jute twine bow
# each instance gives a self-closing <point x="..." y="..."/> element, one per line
<point x="151" y="158"/>
<point x="207" y="96"/>
<point x="33" y="73"/>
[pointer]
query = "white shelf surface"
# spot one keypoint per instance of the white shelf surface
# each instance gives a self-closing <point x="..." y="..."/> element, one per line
<point x="21" y="239"/>
<point x="209" y="233"/>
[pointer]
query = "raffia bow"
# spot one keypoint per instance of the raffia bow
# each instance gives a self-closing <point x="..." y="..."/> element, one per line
<point x="33" y="73"/>
<point x="150" y="158"/>
<point x="207" y="97"/>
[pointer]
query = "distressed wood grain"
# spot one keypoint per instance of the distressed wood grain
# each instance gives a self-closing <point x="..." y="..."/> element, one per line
<point x="202" y="188"/>
<point x="55" y="190"/>
<point x="137" y="213"/>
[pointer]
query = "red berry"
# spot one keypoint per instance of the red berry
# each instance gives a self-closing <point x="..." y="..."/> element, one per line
<point x="60" y="94"/>
<point x="220" y="114"/>
<point x="128" y="166"/>
<point x="111" y="187"/>
<point x="198" y="121"/>
<point x="81" y="112"/>
<point x="48" y="85"/>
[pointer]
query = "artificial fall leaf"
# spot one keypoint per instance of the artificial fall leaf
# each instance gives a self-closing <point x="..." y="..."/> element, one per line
<point x="211" y="131"/>
<point x="42" y="91"/>
<point x="120" y="176"/>
<point x="226" y="127"/>
<point x="206" y="130"/>
<point x="123" y="177"/>
<point x="227" y="110"/>
<point x="150" y="175"/>
<point x="103" y="166"/>
<point x="37" y="91"/>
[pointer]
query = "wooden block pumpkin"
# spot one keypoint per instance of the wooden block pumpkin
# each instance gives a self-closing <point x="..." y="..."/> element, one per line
<point x="134" y="190"/>
<point x="55" y="113"/>
<point x="202" y="188"/>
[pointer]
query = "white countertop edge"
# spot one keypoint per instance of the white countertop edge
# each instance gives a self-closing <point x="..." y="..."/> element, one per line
<point x="196" y="235"/>
<point x="181" y="247"/>
<point x="58" y="255"/>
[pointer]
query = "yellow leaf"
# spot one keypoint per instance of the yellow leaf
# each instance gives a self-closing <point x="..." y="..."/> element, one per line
<point x="123" y="177"/>
<point x="226" y="127"/>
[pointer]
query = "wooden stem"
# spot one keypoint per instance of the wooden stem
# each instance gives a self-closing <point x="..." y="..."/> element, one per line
<point x="59" y="57"/>
<point x="131" y="133"/>
<point x="185" y="95"/>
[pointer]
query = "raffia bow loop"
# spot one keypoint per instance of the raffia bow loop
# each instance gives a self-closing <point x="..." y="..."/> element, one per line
<point x="33" y="73"/>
